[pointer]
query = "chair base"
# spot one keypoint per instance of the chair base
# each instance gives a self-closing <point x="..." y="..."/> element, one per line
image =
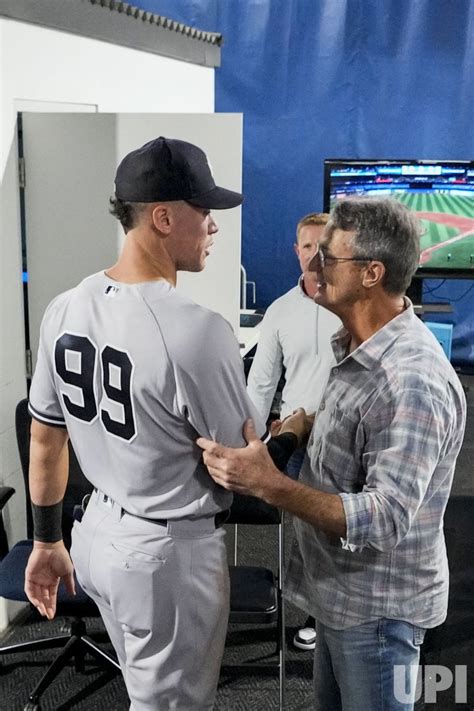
<point x="75" y="646"/>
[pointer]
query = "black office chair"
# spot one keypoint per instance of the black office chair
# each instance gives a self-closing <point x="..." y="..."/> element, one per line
<point x="75" y="644"/>
<point x="6" y="492"/>
<point x="256" y="592"/>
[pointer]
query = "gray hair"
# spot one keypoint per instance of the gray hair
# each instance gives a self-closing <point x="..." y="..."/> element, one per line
<point x="385" y="230"/>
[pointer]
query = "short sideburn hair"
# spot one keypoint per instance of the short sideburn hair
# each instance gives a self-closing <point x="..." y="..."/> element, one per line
<point x="127" y="213"/>
<point x="385" y="230"/>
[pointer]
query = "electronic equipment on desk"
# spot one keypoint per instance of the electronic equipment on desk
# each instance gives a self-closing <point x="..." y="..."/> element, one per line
<point x="249" y="331"/>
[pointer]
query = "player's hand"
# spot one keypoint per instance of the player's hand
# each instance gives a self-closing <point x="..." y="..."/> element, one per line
<point x="298" y="423"/>
<point x="48" y="564"/>
<point x="247" y="470"/>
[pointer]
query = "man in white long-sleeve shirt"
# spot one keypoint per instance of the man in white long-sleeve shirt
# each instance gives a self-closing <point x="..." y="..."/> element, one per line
<point x="295" y="336"/>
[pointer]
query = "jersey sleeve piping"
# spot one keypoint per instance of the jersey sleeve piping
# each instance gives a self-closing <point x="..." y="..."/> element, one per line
<point x="46" y="419"/>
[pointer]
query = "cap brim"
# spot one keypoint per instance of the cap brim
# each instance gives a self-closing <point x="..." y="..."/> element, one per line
<point x="217" y="199"/>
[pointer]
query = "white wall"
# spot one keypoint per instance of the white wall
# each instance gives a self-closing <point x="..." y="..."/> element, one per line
<point x="38" y="64"/>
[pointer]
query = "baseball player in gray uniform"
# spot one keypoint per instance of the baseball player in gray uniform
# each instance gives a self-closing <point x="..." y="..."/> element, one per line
<point x="133" y="372"/>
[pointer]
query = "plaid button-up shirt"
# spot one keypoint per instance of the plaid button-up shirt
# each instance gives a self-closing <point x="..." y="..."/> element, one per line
<point x="385" y="439"/>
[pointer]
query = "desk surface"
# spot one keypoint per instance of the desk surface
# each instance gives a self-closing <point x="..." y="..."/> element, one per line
<point x="432" y="308"/>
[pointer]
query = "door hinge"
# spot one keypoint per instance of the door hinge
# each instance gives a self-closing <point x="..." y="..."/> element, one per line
<point x="21" y="173"/>
<point x="29" y="364"/>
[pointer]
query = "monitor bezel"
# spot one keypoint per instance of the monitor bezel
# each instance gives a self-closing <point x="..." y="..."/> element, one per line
<point x="421" y="272"/>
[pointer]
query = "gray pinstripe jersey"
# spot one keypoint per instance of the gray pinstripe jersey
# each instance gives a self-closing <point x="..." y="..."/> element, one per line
<point x="136" y="372"/>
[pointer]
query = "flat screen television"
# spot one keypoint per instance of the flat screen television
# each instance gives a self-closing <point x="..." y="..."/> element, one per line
<point x="440" y="192"/>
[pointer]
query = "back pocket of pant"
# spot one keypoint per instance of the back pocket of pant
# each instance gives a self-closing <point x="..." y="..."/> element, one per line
<point x="134" y="586"/>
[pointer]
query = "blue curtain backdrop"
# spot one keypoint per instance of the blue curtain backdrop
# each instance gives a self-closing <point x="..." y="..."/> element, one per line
<point x="344" y="79"/>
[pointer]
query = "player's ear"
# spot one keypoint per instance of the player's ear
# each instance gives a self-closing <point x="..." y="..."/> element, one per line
<point x="161" y="218"/>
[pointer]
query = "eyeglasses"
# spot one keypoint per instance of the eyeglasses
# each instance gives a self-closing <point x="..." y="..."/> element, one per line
<point x="327" y="259"/>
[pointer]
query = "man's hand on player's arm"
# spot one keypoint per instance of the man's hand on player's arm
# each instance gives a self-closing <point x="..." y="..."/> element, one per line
<point x="250" y="470"/>
<point x="247" y="470"/>
<point x="49" y="562"/>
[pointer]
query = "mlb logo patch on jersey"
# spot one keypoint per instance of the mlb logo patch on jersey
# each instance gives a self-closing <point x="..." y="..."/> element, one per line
<point x="111" y="291"/>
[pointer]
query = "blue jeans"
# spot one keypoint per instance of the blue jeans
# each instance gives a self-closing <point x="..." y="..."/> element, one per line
<point x="354" y="668"/>
<point x="295" y="461"/>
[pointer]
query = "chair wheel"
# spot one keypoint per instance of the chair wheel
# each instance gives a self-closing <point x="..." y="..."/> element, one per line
<point x="31" y="706"/>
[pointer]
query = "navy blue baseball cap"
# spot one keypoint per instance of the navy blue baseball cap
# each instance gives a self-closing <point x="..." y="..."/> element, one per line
<point x="169" y="169"/>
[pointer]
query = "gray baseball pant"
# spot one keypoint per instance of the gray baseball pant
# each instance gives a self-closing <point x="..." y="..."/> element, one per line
<point x="163" y="593"/>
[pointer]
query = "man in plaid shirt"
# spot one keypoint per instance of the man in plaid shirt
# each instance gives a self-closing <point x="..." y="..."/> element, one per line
<point x="370" y="562"/>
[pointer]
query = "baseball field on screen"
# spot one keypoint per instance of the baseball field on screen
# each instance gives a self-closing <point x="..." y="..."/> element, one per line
<point x="448" y="241"/>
